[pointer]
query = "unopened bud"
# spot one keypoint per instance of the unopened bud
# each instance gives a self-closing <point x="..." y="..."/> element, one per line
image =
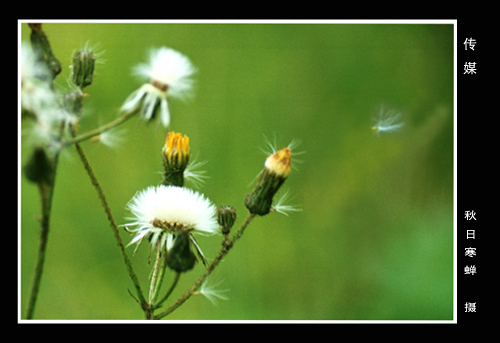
<point x="226" y="216"/>
<point x="277" y="168"/>
<point x="83" y="68"/>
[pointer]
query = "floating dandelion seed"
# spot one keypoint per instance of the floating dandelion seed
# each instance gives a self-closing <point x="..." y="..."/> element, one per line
<point x="388" y="121"/>
<point x="282" y="207"/>
<point x="193" y="174"/>
<point x="112" y="138"/>
<point x="208" y="289"/>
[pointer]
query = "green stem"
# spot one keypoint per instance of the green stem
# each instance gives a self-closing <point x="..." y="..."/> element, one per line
<point x="114" y="227"/>
<point x="41" y="45"/>
<point x="157" y="275"/>
<point x="46" y="192"/>
<point x="99" y="130"/>
<point x="165" y="297"/>
<point x="226" y="247"/>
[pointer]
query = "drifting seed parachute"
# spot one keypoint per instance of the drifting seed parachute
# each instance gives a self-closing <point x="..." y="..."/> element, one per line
<point x="388" y="121"/>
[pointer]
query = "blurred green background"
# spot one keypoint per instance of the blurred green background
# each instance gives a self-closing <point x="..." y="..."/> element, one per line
<point x="374" y="239"/>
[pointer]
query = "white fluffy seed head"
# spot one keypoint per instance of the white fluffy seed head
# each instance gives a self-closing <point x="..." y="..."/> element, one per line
<point x="174" y="206"/>
<point x="31" y="70"/>
<point x="170" y="68"/>
<point x="36" y="94"/>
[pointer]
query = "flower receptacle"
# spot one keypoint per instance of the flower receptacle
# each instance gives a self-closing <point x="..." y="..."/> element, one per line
<point x="181" y="258"/>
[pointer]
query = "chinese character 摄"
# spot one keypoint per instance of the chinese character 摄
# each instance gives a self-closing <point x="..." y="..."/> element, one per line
<point x="470" y="307"/>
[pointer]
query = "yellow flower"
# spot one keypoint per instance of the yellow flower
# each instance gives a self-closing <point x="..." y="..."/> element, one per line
<point x="176" y="149"/>
<point x="176" y="158"/>
<point x="280" y="163"/>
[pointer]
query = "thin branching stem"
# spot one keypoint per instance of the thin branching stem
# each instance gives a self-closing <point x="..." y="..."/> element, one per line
<point x="226" y="247"/>
<point x="171" y="289"/>
<point x="114" y="227"/>
<point x="84" y="136"/>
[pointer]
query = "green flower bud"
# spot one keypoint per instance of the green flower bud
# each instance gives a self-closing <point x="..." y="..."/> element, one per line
<point x="277" y="168"/>
<point x="83" y="68"/>
<point x="226" y="216"/>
